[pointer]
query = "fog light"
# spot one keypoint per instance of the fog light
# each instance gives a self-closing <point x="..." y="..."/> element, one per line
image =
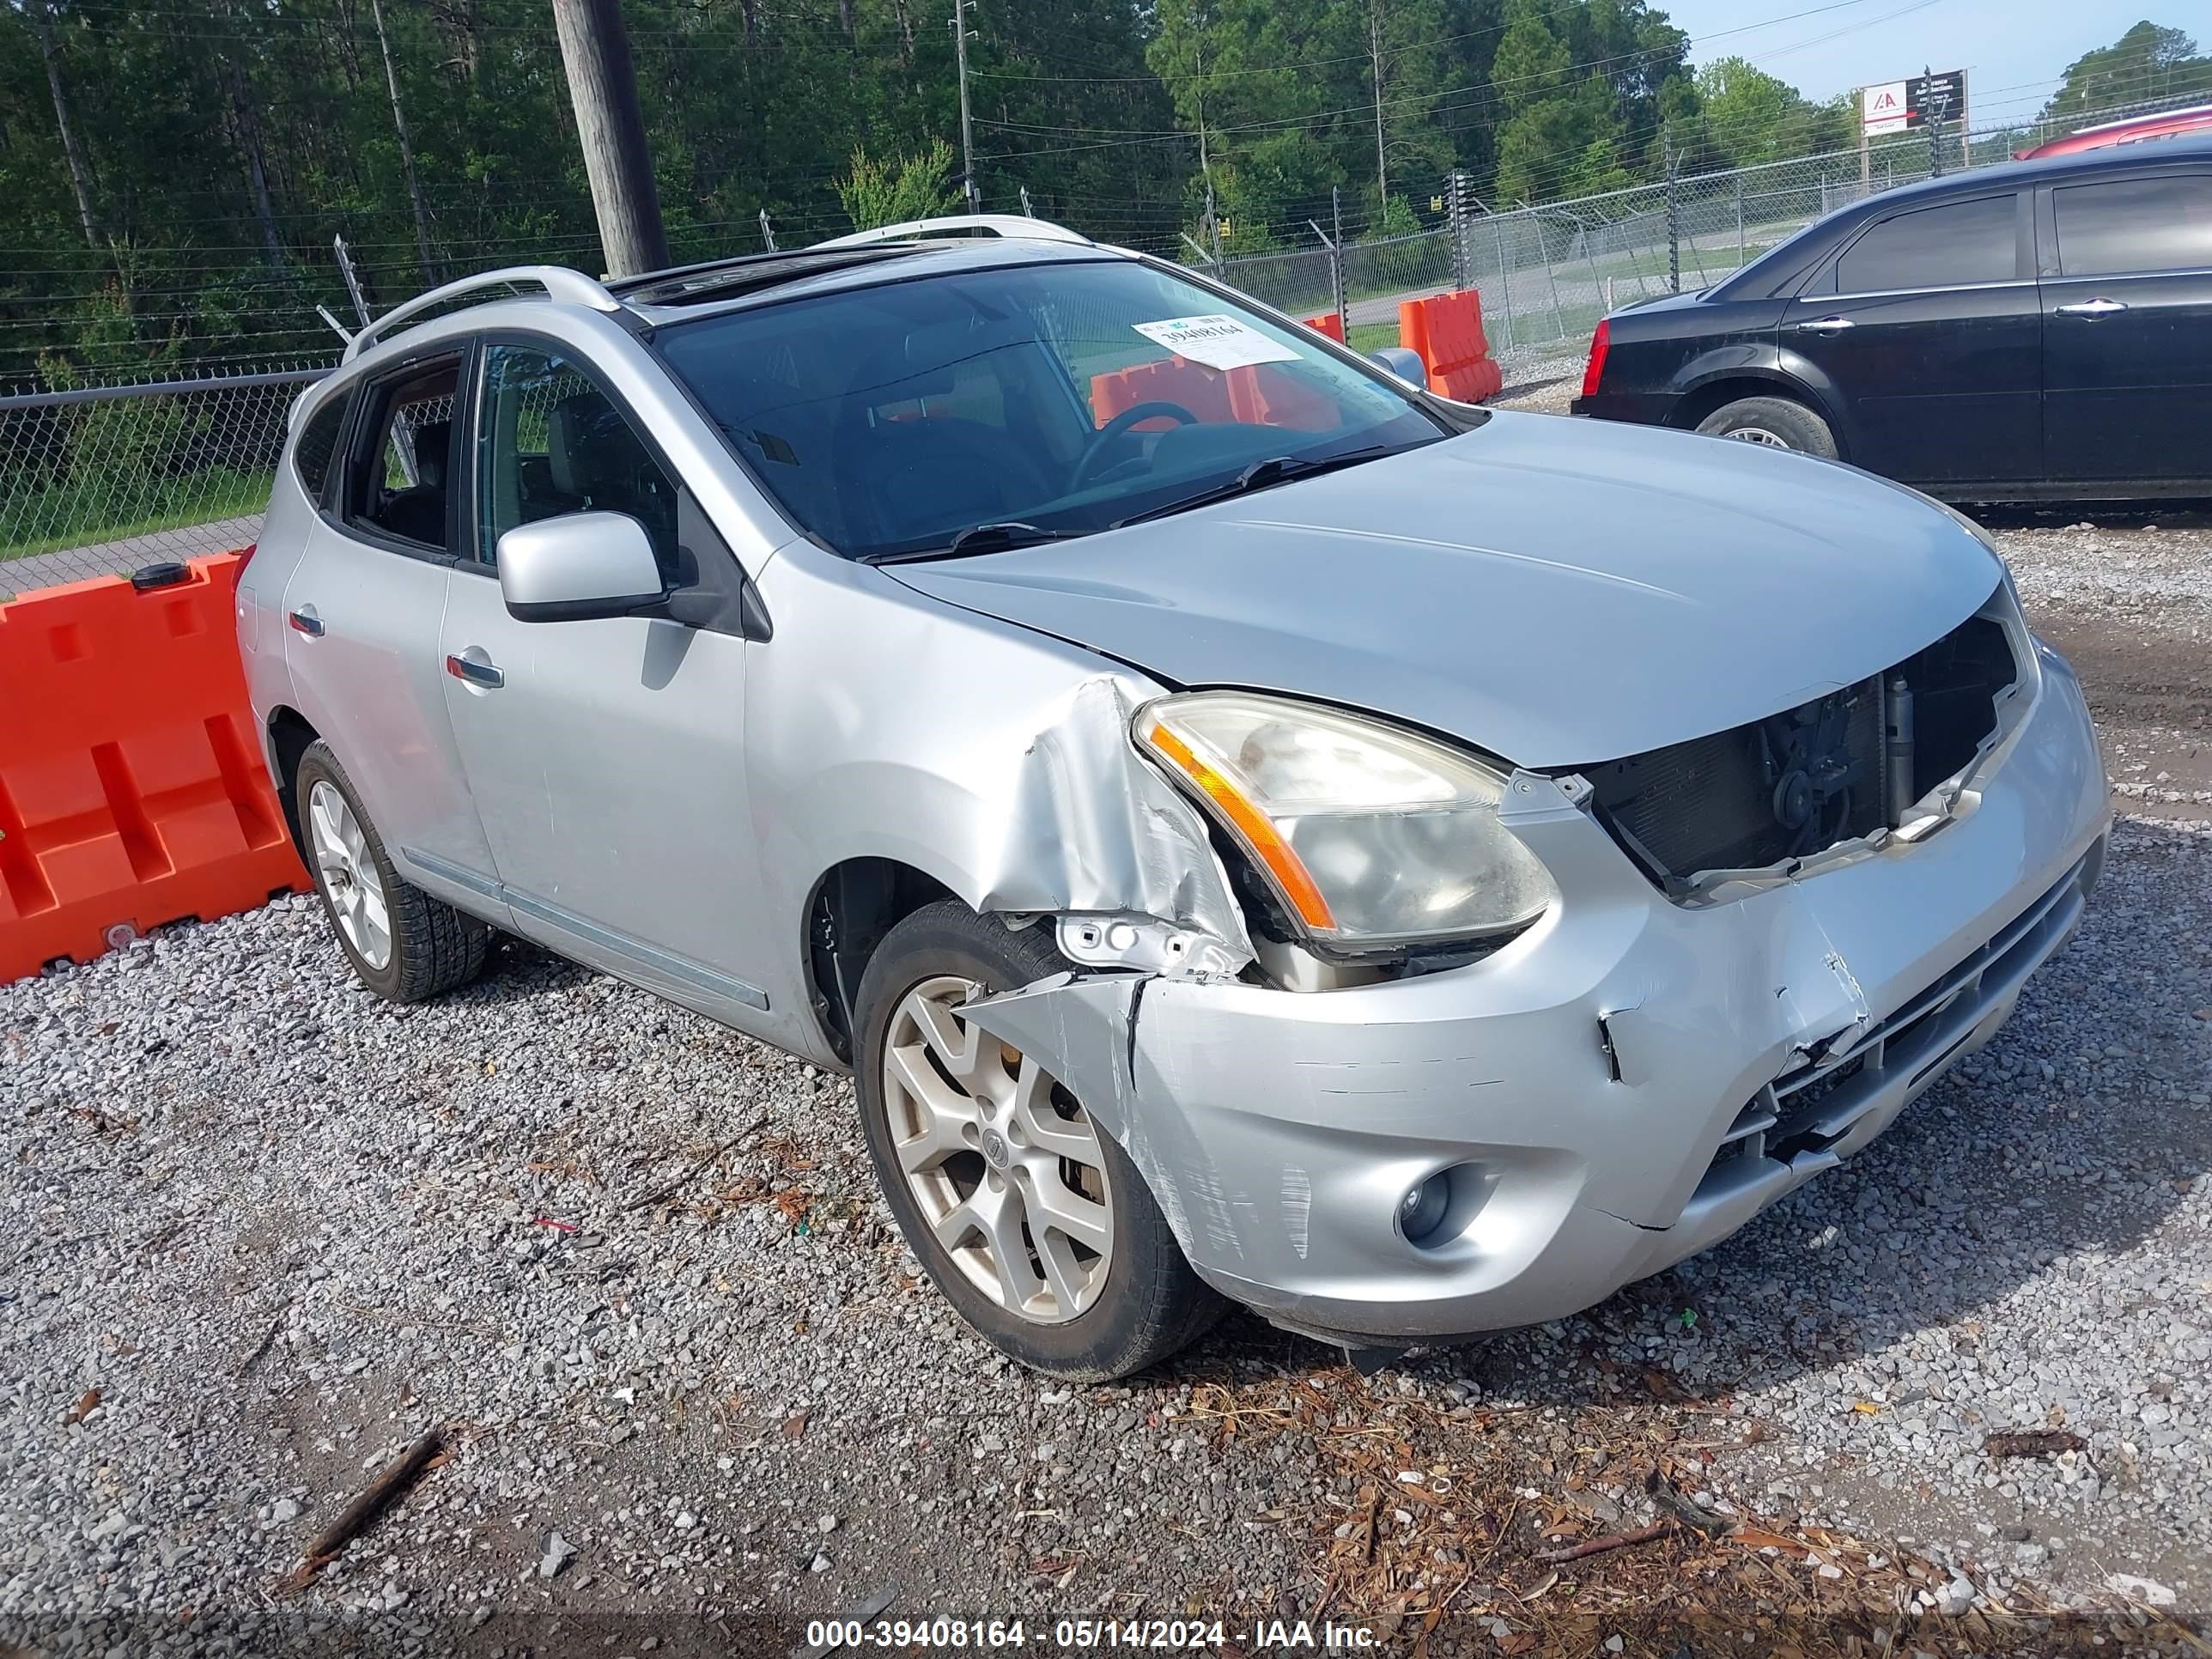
<point x="1421" y="1212"/>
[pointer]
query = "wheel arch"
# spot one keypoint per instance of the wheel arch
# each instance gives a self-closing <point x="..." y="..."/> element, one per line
<point x="288" y="734"/>
<point x="849" y="909"/>
<point x="1717" y="391"/>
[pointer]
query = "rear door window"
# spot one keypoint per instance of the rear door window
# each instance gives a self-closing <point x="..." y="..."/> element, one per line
<point x="1957" y="244"/>
<point x="402" y="460"/>
<point x="2126" y="226"/>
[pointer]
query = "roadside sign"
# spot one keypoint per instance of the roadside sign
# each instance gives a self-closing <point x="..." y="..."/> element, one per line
<point x="1898" y="106"/>
<point x="1936" y="97"/>
<point x="1885" y="108"/>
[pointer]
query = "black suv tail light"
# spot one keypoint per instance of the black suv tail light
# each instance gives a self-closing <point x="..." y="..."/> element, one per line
<point x="1594" y="371"/>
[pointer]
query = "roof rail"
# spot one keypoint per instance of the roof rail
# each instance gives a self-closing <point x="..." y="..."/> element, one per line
<point x="1011" y="225"/>
<point x="558" y="280"/>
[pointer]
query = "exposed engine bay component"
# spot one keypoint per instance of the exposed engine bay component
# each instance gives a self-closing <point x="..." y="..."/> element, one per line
<point x="1898" y="793"/>
<point x="1845" y="767"/>
<point x="1144" y="942"/>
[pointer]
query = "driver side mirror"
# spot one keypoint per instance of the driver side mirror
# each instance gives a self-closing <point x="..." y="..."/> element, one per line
<point x="1403" y="362"/>
<point x="578" y="567"/>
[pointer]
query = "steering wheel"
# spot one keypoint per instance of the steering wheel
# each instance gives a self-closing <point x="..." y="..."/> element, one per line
<point x="1120" y="427"/>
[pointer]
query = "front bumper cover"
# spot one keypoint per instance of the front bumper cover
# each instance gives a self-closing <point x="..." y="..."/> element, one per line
<point x="1621" y="1086"/>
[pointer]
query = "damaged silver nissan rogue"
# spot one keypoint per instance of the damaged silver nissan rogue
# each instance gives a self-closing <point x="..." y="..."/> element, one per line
<point x="1256" y="832"/>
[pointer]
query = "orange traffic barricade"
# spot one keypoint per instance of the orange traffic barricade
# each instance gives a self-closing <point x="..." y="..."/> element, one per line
<point x="133" y="791"/>
<point x="1327" y="322"/>
<point x="1196" y="387"/>
<point x="1447" y="333"/>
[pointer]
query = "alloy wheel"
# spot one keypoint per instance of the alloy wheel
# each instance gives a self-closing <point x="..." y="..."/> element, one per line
<point x="1004" y="1162"/>
<point x="348" y="875"/>
<point x="1759" y="434"/>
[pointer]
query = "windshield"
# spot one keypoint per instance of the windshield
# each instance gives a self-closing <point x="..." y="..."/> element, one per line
<point x="1041" y="400"/>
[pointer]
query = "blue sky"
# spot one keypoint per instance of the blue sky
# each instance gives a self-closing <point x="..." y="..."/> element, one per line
<point x="2014" y="51"/>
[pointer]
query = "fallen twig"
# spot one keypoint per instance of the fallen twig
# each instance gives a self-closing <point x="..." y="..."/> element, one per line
<point x="267" y="1341"/>
<point x="658" y="1194"/>
<point x="1698" y="1520"/>
<point x="393" y="1479"/>
<point x="1599" y="1545"/>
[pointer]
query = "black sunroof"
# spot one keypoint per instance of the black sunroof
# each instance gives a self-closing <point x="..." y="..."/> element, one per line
<point x="718" y="279"/>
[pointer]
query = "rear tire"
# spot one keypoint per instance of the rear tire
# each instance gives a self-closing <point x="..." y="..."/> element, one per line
<point x="967" y="1136"/>
<point x="403" y="944"/>
<point x="1776" y="423"/>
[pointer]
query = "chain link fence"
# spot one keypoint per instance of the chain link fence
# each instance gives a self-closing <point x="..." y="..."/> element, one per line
<point x="1546" y="273"/>
<point x="100" y="478"/>
<point x="96" y="479"/>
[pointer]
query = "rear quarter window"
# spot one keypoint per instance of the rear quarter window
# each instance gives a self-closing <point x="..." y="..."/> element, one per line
<point x="318" y="446"/>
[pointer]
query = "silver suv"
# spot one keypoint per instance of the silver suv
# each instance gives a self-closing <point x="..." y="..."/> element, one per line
<point x="1256" y="832"/>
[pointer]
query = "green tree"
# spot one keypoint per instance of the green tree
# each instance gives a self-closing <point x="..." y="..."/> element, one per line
<point x="1747" y="115"/>
<point x="891" y="193"/>
<point x="2146" y="65"/>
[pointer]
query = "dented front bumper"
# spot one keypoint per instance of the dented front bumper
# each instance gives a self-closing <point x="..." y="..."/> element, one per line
<point x="1621" y="1086"/>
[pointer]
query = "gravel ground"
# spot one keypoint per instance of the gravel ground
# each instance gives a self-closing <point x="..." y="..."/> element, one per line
<point x="260" y="1231"/>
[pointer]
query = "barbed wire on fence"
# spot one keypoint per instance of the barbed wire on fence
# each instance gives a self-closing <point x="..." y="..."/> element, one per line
<point x="105" y="468"/>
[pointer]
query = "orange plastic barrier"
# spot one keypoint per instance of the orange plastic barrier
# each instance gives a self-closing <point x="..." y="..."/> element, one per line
<point x="1447" y="333"/>
<point x="132" y="788"/>
<point x="1263" y="394"/>
<point x="1201" y="390"/>
<point x="1327" y="322"/>
<point x="1259" y="394"/>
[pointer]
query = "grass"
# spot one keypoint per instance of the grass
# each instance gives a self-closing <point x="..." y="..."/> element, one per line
<point x="1367" y="337"/>
<point x="84" y="512"/>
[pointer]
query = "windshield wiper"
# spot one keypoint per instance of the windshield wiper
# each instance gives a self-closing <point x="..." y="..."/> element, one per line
<point x="1260" y="475"/>
<point x="992" y="537"/>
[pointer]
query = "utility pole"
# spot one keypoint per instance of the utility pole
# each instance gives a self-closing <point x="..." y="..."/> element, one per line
<point x="960" y="32"/>
<point x="603" y="84"/>
<point x="1866" y="154"/>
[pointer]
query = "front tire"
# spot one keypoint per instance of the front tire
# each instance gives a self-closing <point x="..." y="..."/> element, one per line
<point x="403" y="944"/>
<point x="1778" y="423"/>
<point x="1033" y="1221"/>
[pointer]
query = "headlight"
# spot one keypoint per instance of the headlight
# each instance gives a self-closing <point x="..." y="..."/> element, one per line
<point x="1371" y="836"/>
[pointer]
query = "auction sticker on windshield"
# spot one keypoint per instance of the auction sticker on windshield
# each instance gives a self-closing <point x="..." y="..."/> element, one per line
<point x="1216" y="342"/>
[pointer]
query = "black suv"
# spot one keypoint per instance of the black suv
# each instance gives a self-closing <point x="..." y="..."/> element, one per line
<point x="2033" y="329"/>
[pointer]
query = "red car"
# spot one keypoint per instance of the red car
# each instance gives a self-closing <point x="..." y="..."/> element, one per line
<point x="2135" y="129"/>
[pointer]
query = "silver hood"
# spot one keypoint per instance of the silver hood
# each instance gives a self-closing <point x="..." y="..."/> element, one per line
<point x="1555" y="594"/>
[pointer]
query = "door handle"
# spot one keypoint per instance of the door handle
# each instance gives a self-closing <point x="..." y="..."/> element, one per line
<point x="305" y="621"/>
<point x="475" y="673"/>
<point x="1827" y="325"/>
<point x="2093" y="309"/>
